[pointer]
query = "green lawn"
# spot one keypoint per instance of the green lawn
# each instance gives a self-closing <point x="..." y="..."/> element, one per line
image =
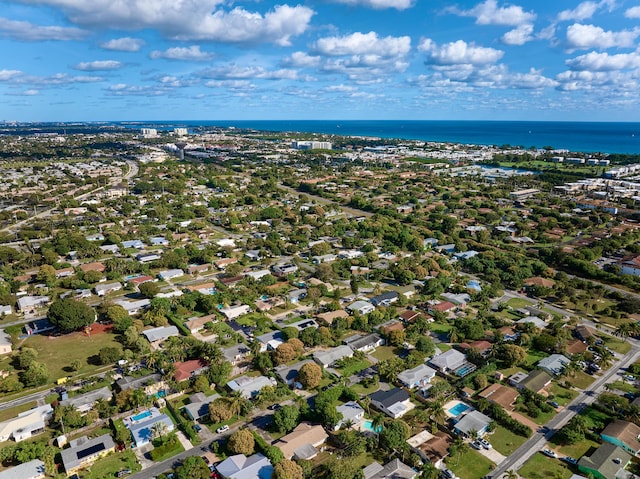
<point x="440" y="328"/>
<point x="57" y="353"/>
<point x="383" y="353"/>
<point x="443" y="347"/>
<point x="170" y="448"/>
<point x="596" y="419"/>
<point x="470" y="465"/>
<point x="505" y="441"/>
<point x="561" y="395"/>
<point x="10" y="413"/>
<point x="616" y="344"/>
<point x="576" y="450"/>
<point x="110" y="465"/>
<point x="623" y="386"/>
<point x="353" y="366"/>
<point x="360" y="389"/>
<point x="517" y="303"/>
<point x="534" y="356"/>
<point x="581" y="380"/>
<point x="543" y="467"/>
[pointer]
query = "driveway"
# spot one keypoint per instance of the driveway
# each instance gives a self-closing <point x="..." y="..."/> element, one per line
<point x="493" y="455"/>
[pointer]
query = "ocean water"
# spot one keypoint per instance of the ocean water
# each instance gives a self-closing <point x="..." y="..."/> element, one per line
<point x="574" y="136"/>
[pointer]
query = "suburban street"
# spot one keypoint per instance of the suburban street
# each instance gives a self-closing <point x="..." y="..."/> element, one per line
<point x="539" y="439"/>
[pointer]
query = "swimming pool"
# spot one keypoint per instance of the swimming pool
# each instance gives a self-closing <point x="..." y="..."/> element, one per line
<point x="458" y="409"/>
<point x="141" y="416"/>
<point x="368" y="425"/>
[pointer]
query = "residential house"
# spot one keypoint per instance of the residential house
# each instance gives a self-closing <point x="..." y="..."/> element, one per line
<point x="482" y="346"/>
<point x="158" y="241"/>
<point x="170" y="274"/>
<point x="102" y="289"/>
<point x="198" y="406"/>
<point x="243" y="467"/>
<point x="584" y="333"/>
<point x="29" y="470"/>
<point x="394" y="469"/>
<point x="222" y="264"/>
<point x="141" y="425"/>
<point x="351" y="412"/>
<point x="411" y="316"/>
<point x="554" y="364"/>
<point x="95" y="266"/>
<point x="237" y="353"/>
<point x="189" y="369"/>
<point x="536" y="381"/>
<point x="623" y="434"/>
<point x="284" y="269"/>
<point x="198" y="268"/>
<point x="605" y="462"/>
<point x="419" y="377"/>
<point x="151" y="383"/>
<point x="138" y="280"/>
<point x="296" y="295"/>
<point x="472" y="421"/>
<point x="159" y="334"/>
<point x="6" y="309"/>
<point x="304" y="324"/>
<point x="384" y="299"/>
<point x="431" y="448"/>
<point x="65" y="272"/>
<point x="257" y="275"/>
<point x="250" y="387"/>
<point x="330" y="316"/>
<point x="500" y="395"/>
<point x="253" y="255"/>
<point x="389" y="326"/>
<point x="85" y="402"/>
<point x="535" y="320"/>
<point x="110" y="248"/>
<point x="147" y="257"/>
<point x="134" y="307"/>
<point x="195" y="325"/>
<point x="136" y="244"/>
<point x="630" y="265"/>
<point x="270" y="341"/>
<point x="328" y="357"/>
<point x="460" y="299"/>
<point x="26" y="425"/>
<point x="289" y="374"/>
<point x="365" y="344"/>
<point x="394" y="403"/>
<point x="441" y="307"/>
<point x="575" y="346"/>
<point x="449" y="362"/>
<point x="302" y="442"/>
<point x="204" y="288"/>
<point x="233" y="312"/>
<point x="5" y="343"/>
<point x="83" y="452"/>
<point x="29" y="304"/>
<point x="360" y="307"/>
<point x="508" y="333"/>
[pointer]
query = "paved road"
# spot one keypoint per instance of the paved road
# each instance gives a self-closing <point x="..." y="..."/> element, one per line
<point x="539" y="439"/>
<point x="39" y="396"/>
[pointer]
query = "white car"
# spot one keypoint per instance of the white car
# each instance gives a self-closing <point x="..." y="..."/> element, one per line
<point x="486" y="444"/>
<point x="222" y="429"/>
<point x="549" y="452"/>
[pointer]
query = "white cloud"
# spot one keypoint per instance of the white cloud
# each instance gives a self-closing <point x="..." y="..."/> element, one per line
<point x="633" y="12"/>
<point x="581" y="37"/>
<point x="124" y="44"/>
<point x="302" y="60"/>
<point x="98" y="65"/>
<point x="488" y="13"/>
<point x="27" y="31"/>
<point x="240" y="85"/>
<point x="595" y="61"/>
<point x="226" y="72"/>
<point x="380" y="4"/>
<point x="458" y="53"/>
<point x="62" y="79"/>
<point x="192" y="53"/>
<point x="189" y="19"/>
<point x="30" y="92"/>
<point x="6" y="75"/>
<point x="342" y="88"/>
<point x="583" y="11"/>
<point x="586" y="80"/>
<point x="519" y="35"/>
<point x="364" y="44"/>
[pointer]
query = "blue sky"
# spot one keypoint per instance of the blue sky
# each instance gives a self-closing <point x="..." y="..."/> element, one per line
<point x="75" y="60"/>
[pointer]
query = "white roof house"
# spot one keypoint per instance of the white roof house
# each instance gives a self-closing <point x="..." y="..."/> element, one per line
<point x="233" y="312"/>
<point x="6" y="309"/>
<point x="29" y="303"/>
<point x="554" y="364"/>
<point x="361" y="307"/>
<point x="170" y="274"/>
<point x="26" y="424"/>
<point x="351" y="411"/>
<point x="104" y="288"/>
<point x="420" y="376"/>
<point x="251" y="386"/>
<point x="134" y="307"/>
<point x="5" y="342"/>
<point x="160" y="334"/>
<point x="330" y="356"/>
<point x="448" y="361"/>
<point x="29" y="470"/>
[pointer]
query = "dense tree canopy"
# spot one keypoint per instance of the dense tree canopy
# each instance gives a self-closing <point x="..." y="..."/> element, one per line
<point x="70" y="315"/>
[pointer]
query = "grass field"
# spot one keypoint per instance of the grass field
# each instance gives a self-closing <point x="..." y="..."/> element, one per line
<point x="534" y="356"/>
<point x="505" y="441"/>
<point x="581" y="380"/>
<point x="383" y="353"/>
<point x="57" y="353"/>
<point x="595" y="419"/>
<point x="562" y="395"/>
<point x="354" y="366"/>
<point x="517" y="303"/>
<point x="576" y="450"/>
<point x="616" y="344"/>
<point x="470" y="465"/>
<point x="543" y="467"/>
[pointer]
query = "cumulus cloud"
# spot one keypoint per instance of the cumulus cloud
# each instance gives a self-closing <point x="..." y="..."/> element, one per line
<point x="98" y="65"/>
<point x="633" y="12"/>
<point x="192" y="53"/>
<point x="582" y="37"/>
<point x="380" y="4"/>
<point x="595" y="61"/>
<point x="489" y="13"/>
<point x="363" y="44"/>
<point x="6" y="75"/>
<point x="458" y="53"/>
<point x="302" y="60"/>
<point x="28" y="32"/>
<point x="586" y="80"/>
<point x="124" y="44"/>
<point x="583" y="11"/>
<point x="189" y="19"/>
<point x="234" y="72"/>
<point x="519" y="35"/>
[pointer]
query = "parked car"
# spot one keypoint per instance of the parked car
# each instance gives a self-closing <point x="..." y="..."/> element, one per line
<point x="549" y="453"/>
<point x="476" y="445"/>
<point x="222" y="429"/>
<point x="486" y="444"/>
<point x="629" y="377"/>
<point x="569" y="459"/>
<point x="554" y="404"/>
<point x="197" y="427"/>
<point x="275" y="407"/>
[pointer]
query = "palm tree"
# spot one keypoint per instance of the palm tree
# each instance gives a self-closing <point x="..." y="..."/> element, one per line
<point x="430" y="471"/>
<point x="158" y="430"/>
<point x="378" y="422"/>
<point x="459" y="446"/>
<point x="438" y="413"/>
<point x="365" y="402"/>
<point x="510" y="474"/>
<point x="624" y="330"/>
